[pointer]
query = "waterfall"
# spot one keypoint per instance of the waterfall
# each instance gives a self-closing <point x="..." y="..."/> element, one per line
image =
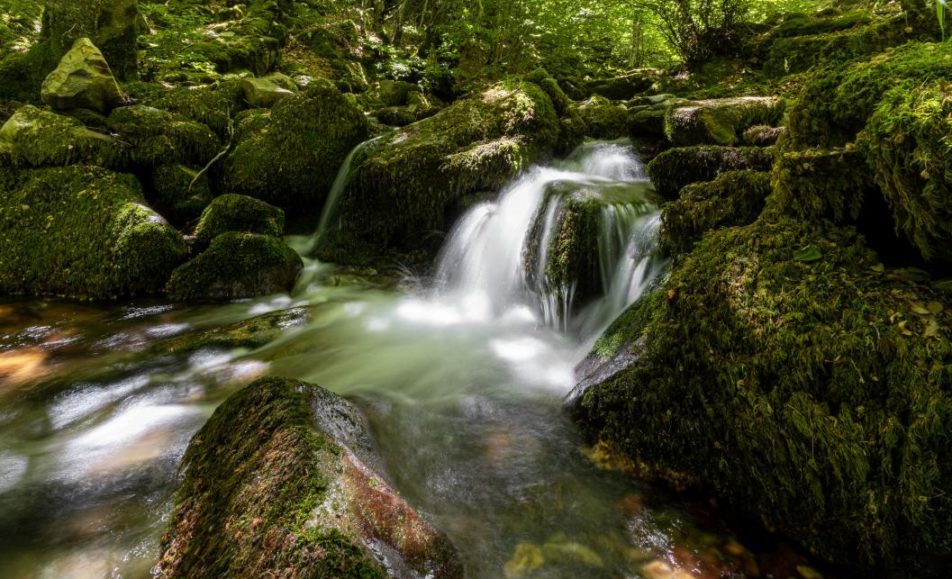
<point x="508" y="254"/>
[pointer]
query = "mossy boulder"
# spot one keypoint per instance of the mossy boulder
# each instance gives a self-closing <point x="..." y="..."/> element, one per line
<point x="603" y="118"/>
<point x="647" y="122"/>
<point x="180" y="192"/>
<point x="232" y="212"/>
<point x="157" y="137"/>
<point x="906" y="143"/>
<point x="280" y="482"/>
<point x="817" y="184"/>
<point x="267" y="91"/>
<point x="733" y="198"/>
<point x="673" y="169"/>
<point x="39" y="138"/>
<point x="236" y="265"/>
<point x="292" y="160"/>
<point x="82" y="80"/>
<point x="405" y="186"/>
<point x="834" y="105"/>
<point x="111" y="24"/>
<point x="762" y="136"/>
<point x="83" y="232"/>
<point x="719" y="121"/>
<point x="621" y="87"/>
<point x="212" y="105"/>
<point x="813" y="394"/>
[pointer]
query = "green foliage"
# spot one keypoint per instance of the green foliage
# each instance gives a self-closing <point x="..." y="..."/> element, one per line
<point x="698" y="30"/>
<point x="813" y="393"/>
<point x="236" y="265"/>
<point x="82" y="232"/>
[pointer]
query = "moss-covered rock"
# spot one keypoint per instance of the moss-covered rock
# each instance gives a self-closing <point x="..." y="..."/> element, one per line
<point x="814" y="392"/>
<point x="267" y="91"/>
<point x="157" y="137"/>
<point x="733" y="198"/>
<point x="39" y="138"/>
<point x="647" y="122"/>
<point x="83" y="232"/>
<point x="405" y="185"/>
<point x="82" y="80"/>
<point x="111" y="24"/>
<point x="621" y="87"/>
<point x="236" y="265"/>
<point x="180" y="192"/>
<point x="279" y="482"/>
<point x="719" y="121"/>
<point x="816" y="184"/>
<point x="762" y="136"/>
<point x="232" y="212"/>
<point x="292" y="161"/>
<point x="212" y="105"/>
<point x="673" y="169"/>
<point x="906" y="143"/>
<point x="603" y="118"/>
<point x="250" y="334"/>
<point x="835" y="104"/>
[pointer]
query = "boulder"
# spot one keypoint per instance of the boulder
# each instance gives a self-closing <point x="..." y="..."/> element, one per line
<point x="733" y="198"/>
<point x="82" y="80"/>
<point x="405" y="185"/>
<point x="762" y="136"/>
<point x="180" y="192"/>
<point x="111" y="24"/>
<point x="232" y="212"/>
<point x="83" y="232"/>
<point x="267" y="91"/>
<point x="719" y="121"/>
<point x="822" y="184"/>
<point x="673" y="169"/>
<point x="235" y="266"/>
<point x="603" y="118"/>
<point x="281" y="481"/>
<point x="292" y="156"/>
<point x="158" y="137"/>
<point x="40" y="138"/>
<point x="813" y="394"/>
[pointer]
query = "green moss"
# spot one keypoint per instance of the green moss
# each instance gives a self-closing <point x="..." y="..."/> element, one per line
<point x="239" y="213"/>
<point x="236" y="265"/>
<point x="253" y="333"/>
<point x="82" y="232"/>
<point x="213" y="105"/>
<point x="403" y="186"/>
<point x="834" y="105"/>
<point x="821" y="184"/>
<point x="673" y="169"/>
<point x="254" y="474"/>
<point x="292" y="161"/>
<point x="719" y="121"/>
<point x="814" y="393"/>
<point x="157" y="137"/>
<point x="733" y="198"/>
<point x="906" y="143"/>
<point x="604" y="119"/>
<point x="38" y="138"/>
<point x="762" y="135"/>
<point x="647" y="122"/>
<point x="110" y="24"/>
<point x="179" y="192"/>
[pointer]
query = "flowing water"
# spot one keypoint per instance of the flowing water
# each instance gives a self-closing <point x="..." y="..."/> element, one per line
<point x="462" y="378"/>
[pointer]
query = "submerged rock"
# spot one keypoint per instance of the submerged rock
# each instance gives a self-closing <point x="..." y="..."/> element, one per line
<point x="83" y="232"/>
<point x="719" y="121"/>
<point x="672" y="170"/>
<point x="281" y="482"/>
<point x="236" y="265"/>
<point x="291" y="157"/>
<point x="82" y="80"/>
<point x="232" y="212"/>
<point x="405" y="186"/>
<point x="813" y="392"/>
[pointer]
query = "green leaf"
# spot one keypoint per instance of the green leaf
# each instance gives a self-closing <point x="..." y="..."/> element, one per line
<point x="807" y="254"/>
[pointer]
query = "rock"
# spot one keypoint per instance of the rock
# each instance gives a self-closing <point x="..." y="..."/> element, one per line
<point x="250" y="334"/>
<point x="239" y="213"/>
<point x="212" y="106"/>
<point x="267" y="91"/>
<point x="818" y="183"/>
<point x="39" y="138"/>
<point x="393" y="93"/>
<point x="762" y="136"/>
<point x="647" y="123"/>
<point x="235" y="266"/>
<point x="719" y="121"/>
<point x="180" y="192"/>
<point x="733" y="198"/>
<point x="604" y="119"/>
<point x="659" y="569"/>
<point x="280" y="482"/>
<point x="83" y="232"/>
<point x="807" y="339"/>
<point x="673" y="169"/>
<point x="82" y="80"/>
<point x="109" y="24"/>
<point x="405" y="185"/>
<point x="622" y="87"/>
<point x="291" y="160"/>
<point x="157" y="137"/>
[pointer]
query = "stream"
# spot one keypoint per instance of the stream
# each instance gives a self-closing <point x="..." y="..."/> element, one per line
<point x="462" y="377"/>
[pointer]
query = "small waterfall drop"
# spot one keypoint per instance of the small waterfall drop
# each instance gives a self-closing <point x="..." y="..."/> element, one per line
<point x="593" y="212"/>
